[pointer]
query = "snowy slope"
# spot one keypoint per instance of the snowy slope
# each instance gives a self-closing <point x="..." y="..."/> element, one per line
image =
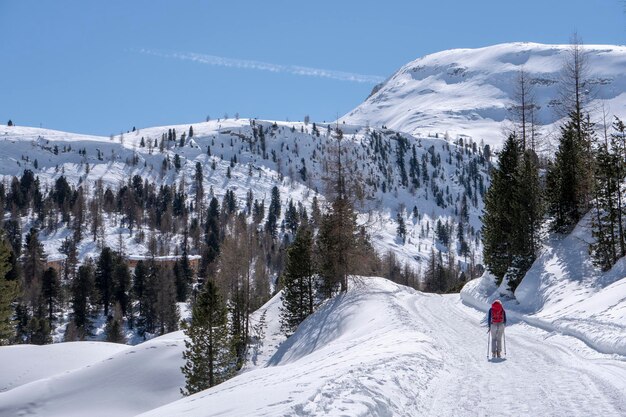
<point x="46" y="361"/>
<point x="564" y="292"/>
<point x="290" y="147"/>
<point x="383" y="349"/>
<point x="469" y="91"/>
<point x="126" y="381"/>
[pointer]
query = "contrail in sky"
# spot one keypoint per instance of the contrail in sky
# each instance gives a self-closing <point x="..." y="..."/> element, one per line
<point x="265" y="66"/>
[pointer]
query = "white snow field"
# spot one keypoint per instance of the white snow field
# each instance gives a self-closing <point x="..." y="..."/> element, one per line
<point x="45" y="361"/>
<point x="381" y="349"/>
<point x="470" y="91"/>
<point x="126" y="381"/>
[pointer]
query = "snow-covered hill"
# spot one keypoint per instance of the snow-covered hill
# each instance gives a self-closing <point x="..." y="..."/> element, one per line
<point x="469" y="91"/>
<point x="101" y="379"/>
<point x="380" y="349"/>
<point x="292" y="156"/>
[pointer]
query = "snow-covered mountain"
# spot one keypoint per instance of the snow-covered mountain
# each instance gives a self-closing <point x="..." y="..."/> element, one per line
<point x="470" y="91"/>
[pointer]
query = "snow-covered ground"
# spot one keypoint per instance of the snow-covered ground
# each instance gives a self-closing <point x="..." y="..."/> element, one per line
<point x="22" y="364"/>
<point x="470" y="91"/>
<point x="381" y="349"/>
<point x="100" y="379"/>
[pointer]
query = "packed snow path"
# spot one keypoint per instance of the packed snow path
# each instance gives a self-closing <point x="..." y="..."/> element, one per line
<point x="543" y="374"/>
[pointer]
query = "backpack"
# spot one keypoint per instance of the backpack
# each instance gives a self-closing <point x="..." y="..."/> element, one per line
<point x="497" y="313"/>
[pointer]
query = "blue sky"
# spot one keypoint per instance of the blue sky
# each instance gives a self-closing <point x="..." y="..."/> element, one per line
<point x="103" y="67"/>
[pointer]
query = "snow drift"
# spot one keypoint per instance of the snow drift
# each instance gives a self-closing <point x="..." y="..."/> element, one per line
<point x="362" y="353"/>
<point x="100" y="380"/>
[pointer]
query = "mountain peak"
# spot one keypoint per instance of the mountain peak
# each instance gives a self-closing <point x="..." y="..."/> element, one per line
<point x="470" y="91"/>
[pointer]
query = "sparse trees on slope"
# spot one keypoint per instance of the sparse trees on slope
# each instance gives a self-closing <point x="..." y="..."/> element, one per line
<point x="608" y="227"/>
<point x="572" y="177"/>
<point x="569" y="189"/>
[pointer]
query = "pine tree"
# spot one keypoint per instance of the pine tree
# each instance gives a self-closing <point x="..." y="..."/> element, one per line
<point x="38" y="329"/>
<point x="291" y="217"/>
<point x="33" y="262"/>
<point x="274" y="212"/>
<point x="208" y="356"/>
<point x="104" y="279"/>
<point x="401" y="229"/>
<point x="527" y="217"/>
<point x="165" y="308"/>
<point x="498" y="227"/>
<point x="8" y="294"/>
<point x="335" y="243"/>
<point x="337" y="238"/>
<point x="513" y="214"/>
<point x="50" y="289"/>
<point x="122" y="286"/>
<point x="183" y="276"/>
<point x="213" y="231"/>
<point x="298" y="284"/>
<point x="82" y="289"/>
<point x="571" y="179"/>
<point x="138" y="289"/>
<point x="435" y="275"/>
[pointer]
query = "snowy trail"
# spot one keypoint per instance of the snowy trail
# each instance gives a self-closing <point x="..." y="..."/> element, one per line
<point x="539" y="377"/>
<point x="385" y="350"/>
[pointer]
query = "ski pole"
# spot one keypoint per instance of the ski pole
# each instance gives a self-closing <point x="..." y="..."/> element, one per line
<point x="504" y="336"/>
<point x="488" y="343"/>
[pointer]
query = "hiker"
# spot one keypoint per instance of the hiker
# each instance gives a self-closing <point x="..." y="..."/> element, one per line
<point x="496" y="322"/>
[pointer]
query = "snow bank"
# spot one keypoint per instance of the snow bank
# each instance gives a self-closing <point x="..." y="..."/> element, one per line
<point x="362" y="353"/>
<point x="21" y="364"/>
<point x="117" y="382"/>
<point x="564" y="292"/>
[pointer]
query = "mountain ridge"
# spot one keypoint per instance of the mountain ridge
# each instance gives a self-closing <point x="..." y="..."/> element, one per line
<point x="468" y="91"/>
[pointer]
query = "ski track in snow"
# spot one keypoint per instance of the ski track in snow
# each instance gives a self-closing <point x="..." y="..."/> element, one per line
<point x="536" y="378"/>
